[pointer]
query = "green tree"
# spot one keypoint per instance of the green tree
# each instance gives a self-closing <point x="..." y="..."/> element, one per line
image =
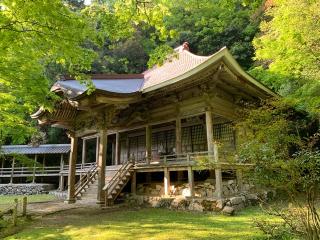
<point x="289" y="51"/>
<point x="210" y="25"/>
<point x="282" y="144"/>
<point x="40" y="40"/>
<point x="33" y="35"/>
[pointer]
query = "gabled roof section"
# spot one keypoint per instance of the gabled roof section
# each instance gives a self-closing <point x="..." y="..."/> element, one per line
<point x="187" y="64"/>
<point x="181" y="62"/>
<point x="117" y="84"/>
<point x="41" y="149"/>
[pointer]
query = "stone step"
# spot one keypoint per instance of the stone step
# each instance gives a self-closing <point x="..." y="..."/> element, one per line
<point x="90" y="192"/>
<point x="89" y="195"/>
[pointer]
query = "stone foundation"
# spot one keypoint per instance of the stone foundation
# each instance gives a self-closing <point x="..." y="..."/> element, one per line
<point x="25" y="189"/>
<point x="227" y="206"/>
<point x="204" y="189"/>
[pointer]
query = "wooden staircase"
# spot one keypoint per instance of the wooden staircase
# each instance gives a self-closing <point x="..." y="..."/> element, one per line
<point x="87" y="181"/>
<point x="115" y="185"/>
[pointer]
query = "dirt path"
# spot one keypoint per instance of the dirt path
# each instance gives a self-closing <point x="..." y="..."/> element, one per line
<point x="50" y="207"/>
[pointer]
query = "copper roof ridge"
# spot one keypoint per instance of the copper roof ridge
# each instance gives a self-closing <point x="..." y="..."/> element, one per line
<point x="106" y="76"/>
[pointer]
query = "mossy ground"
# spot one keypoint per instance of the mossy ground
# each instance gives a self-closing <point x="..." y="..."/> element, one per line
<point x="148" y="223"/>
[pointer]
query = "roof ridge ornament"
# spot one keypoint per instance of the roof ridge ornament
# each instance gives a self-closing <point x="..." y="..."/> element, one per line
<point x="185" y="46"/>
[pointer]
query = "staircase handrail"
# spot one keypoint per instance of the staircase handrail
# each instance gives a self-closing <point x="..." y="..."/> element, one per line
<point x="123" y="169"/>
<point x="83" y="182"/>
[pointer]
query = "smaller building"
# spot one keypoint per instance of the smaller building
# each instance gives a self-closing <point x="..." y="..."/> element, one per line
<point x="26" y="163"/>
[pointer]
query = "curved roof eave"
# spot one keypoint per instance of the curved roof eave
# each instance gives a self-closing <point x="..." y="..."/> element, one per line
<point x="111" y="94"/>
<point x="222" y="54"/>
<point x="234" y="65"/>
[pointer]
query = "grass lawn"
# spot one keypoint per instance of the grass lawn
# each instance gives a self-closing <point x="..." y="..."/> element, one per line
<point x="8" y="199"/>
<point x="142" y="224"/>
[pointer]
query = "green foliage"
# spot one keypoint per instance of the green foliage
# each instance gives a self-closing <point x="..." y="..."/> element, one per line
<point x="267" y="132"/>
<point x="159" y="55"/>
<point x="290" y="51"/>
<point x="282" y="144"/>
<point x="206" y="25"/>
<point x="138" y="31"/>
<point x="41" y="40"/>
<point x="210" y="25"/>
<point x="279" y="140"/>
<point x="275" y="230"/>
<point x="33" y="35"/>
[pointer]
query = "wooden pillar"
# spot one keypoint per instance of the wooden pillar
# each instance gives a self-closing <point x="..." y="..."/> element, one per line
<point x="12" y="170"/>
<point x="97" y="149"/>
<point x="117" y="150"/>
<point x="102" y="165"/>
<point x="210" y="141"/>
<point x="213" y="153"/>
<point x="134" y="183"/>
<point x="34" y="168"/>
<point x="166" y="181"/>
<point x="61" y="177"/>
<point x="218" y="174"/>
<point x="148" y="143"/>
<point x="84" y="151"/>
<point x="72" y="169"/>
<point x="191" y="181"/>
<point x="209" y="128"/>
<point x="239" y="174"/>
<point x="179" y="145"/>
<point x="128" y="148"/>
<point x="178" y="136"/>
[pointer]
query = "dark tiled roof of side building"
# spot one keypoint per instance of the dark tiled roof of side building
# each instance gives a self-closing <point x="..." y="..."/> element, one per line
<point x="30" y="150"/>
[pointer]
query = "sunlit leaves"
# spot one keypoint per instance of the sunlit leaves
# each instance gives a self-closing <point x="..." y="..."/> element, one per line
<point x="33" y="35"/>
<point x="290" y="48"/>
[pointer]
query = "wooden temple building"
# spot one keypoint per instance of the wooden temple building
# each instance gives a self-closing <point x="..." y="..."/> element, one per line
<point x="161" y="120"/>
<point x="47" y="166"/>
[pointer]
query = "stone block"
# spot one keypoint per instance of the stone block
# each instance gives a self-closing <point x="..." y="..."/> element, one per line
<point x="186" y="192"/>
<point x="180" y="203"/>
<point x="229" y="211"/>
<point x="239" y="206"/>
<point x="220" y="203"/>
<point x="195" y="206"/>
<point x="235" y="200"/>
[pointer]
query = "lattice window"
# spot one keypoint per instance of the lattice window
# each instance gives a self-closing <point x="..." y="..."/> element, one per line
<point x="199" y="139"/>
<point x="137" y="147"/>
<point x="194" y="138"/>
<point x="224" y="132"/>
<point x="163" y="142"/>
<point x="123" y="151"/>
<point x="141" y="153"/>
<point x="186" y="140"/>
<point x="171" y="140"/>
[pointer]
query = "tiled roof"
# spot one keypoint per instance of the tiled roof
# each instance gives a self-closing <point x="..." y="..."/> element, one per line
<point x="41" y="149"/>
<point x="175" y="66"/>
<point x="179" y="63"/>
<point x="73" y="88"/>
